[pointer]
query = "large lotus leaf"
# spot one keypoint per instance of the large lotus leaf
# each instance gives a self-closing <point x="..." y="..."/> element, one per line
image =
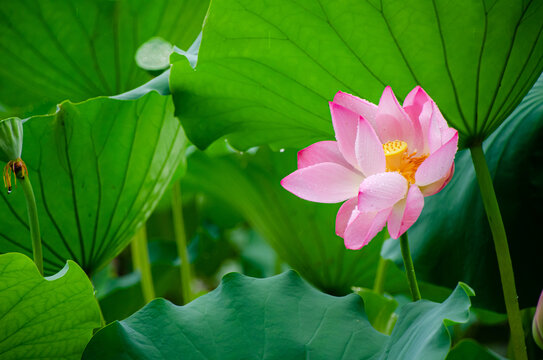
<point x="51" y="318"/>
<point x="98" y="169"/>
<point x="267" y="69"/>
<point x="278" y="317"/>
<point x="53" y="50"/>
<point x="453" y="242"/>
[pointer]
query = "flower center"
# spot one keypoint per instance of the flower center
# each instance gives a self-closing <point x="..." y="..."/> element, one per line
<point x="398" y="160"/>
<point x="394" y="151"/>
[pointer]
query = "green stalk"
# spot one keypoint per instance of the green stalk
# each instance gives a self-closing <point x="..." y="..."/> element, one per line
<point x="379" y="285"/>
<point x="409" y="268"/>
<point x="502" y="250"/>
<point x="140" y="258"/>
<point x="103" y="322"/>
<point x="33" y="222"/>
<point x="102" y="318"/>
<point x="181" y="240"/>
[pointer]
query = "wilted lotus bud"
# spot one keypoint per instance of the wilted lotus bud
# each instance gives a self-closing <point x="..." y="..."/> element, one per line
<point x="11" y="147"/>
<point x="11" y="139"/>
<point x="537" y="325"/>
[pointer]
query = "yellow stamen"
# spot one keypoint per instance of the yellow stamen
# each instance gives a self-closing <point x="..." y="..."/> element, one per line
<point x="398" y="159"/>
<point x="14" y="166"/>
<point x="394" y="151"/>
<point x="409" y="166"/>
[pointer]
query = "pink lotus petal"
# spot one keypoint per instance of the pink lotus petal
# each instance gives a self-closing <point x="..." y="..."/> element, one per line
<point x="425" y="118"/>
<point x="436" y="187"/>
<point x="447" y="134"/>
<point x="345" y="124"/>
<point x="360" y="106"/>
<point x="416" y="99"/>
<point x="438" y="165"/>
<point x="392" y="122"/>
<point x="363" y="227"/>
<point x="320" y="152"/>
<point x="413" y="105"/>
<point x="324" y="182"/>
<point x="381" y="191"/>
<point x="439" y="132"/>
<point x="405" y="212"/>
<point x="369" y="150"/>
<point x="344" y="215"/>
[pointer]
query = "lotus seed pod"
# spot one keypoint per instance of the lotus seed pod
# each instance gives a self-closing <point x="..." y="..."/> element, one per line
<point x="11" y="139"/>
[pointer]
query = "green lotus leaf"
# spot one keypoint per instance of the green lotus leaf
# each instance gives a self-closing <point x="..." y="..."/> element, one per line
<point x="278" y="317"/>
<point x="98" y="169"/>
<point x="53" y="50"/>
<point x="51" y="318"/>
<point x="266" y="71"/>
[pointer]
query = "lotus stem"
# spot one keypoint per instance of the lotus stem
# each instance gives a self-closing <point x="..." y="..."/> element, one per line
<point x="379" y="285"/>
<point x="33" y="222"/>
<point x="409" y="268"/>
<point x="502" y="250"/>
<point x="140" y="259"/>
<point x="103" y="322"/>
<point x="181" y="240"/>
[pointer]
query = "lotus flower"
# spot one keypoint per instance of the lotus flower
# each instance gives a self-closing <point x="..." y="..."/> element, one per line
<point x="386" y="159"/>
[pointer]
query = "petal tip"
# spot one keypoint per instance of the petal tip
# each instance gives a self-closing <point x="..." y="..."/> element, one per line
<point x="418" y="89"/>
<point x="300" y="156"/>
<point x="334" y="108"/>
<point x="284" y="181"/>
<point x="354" y="246"/>
<point x="287" y="180"/>
<point x="395" y="235"/>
